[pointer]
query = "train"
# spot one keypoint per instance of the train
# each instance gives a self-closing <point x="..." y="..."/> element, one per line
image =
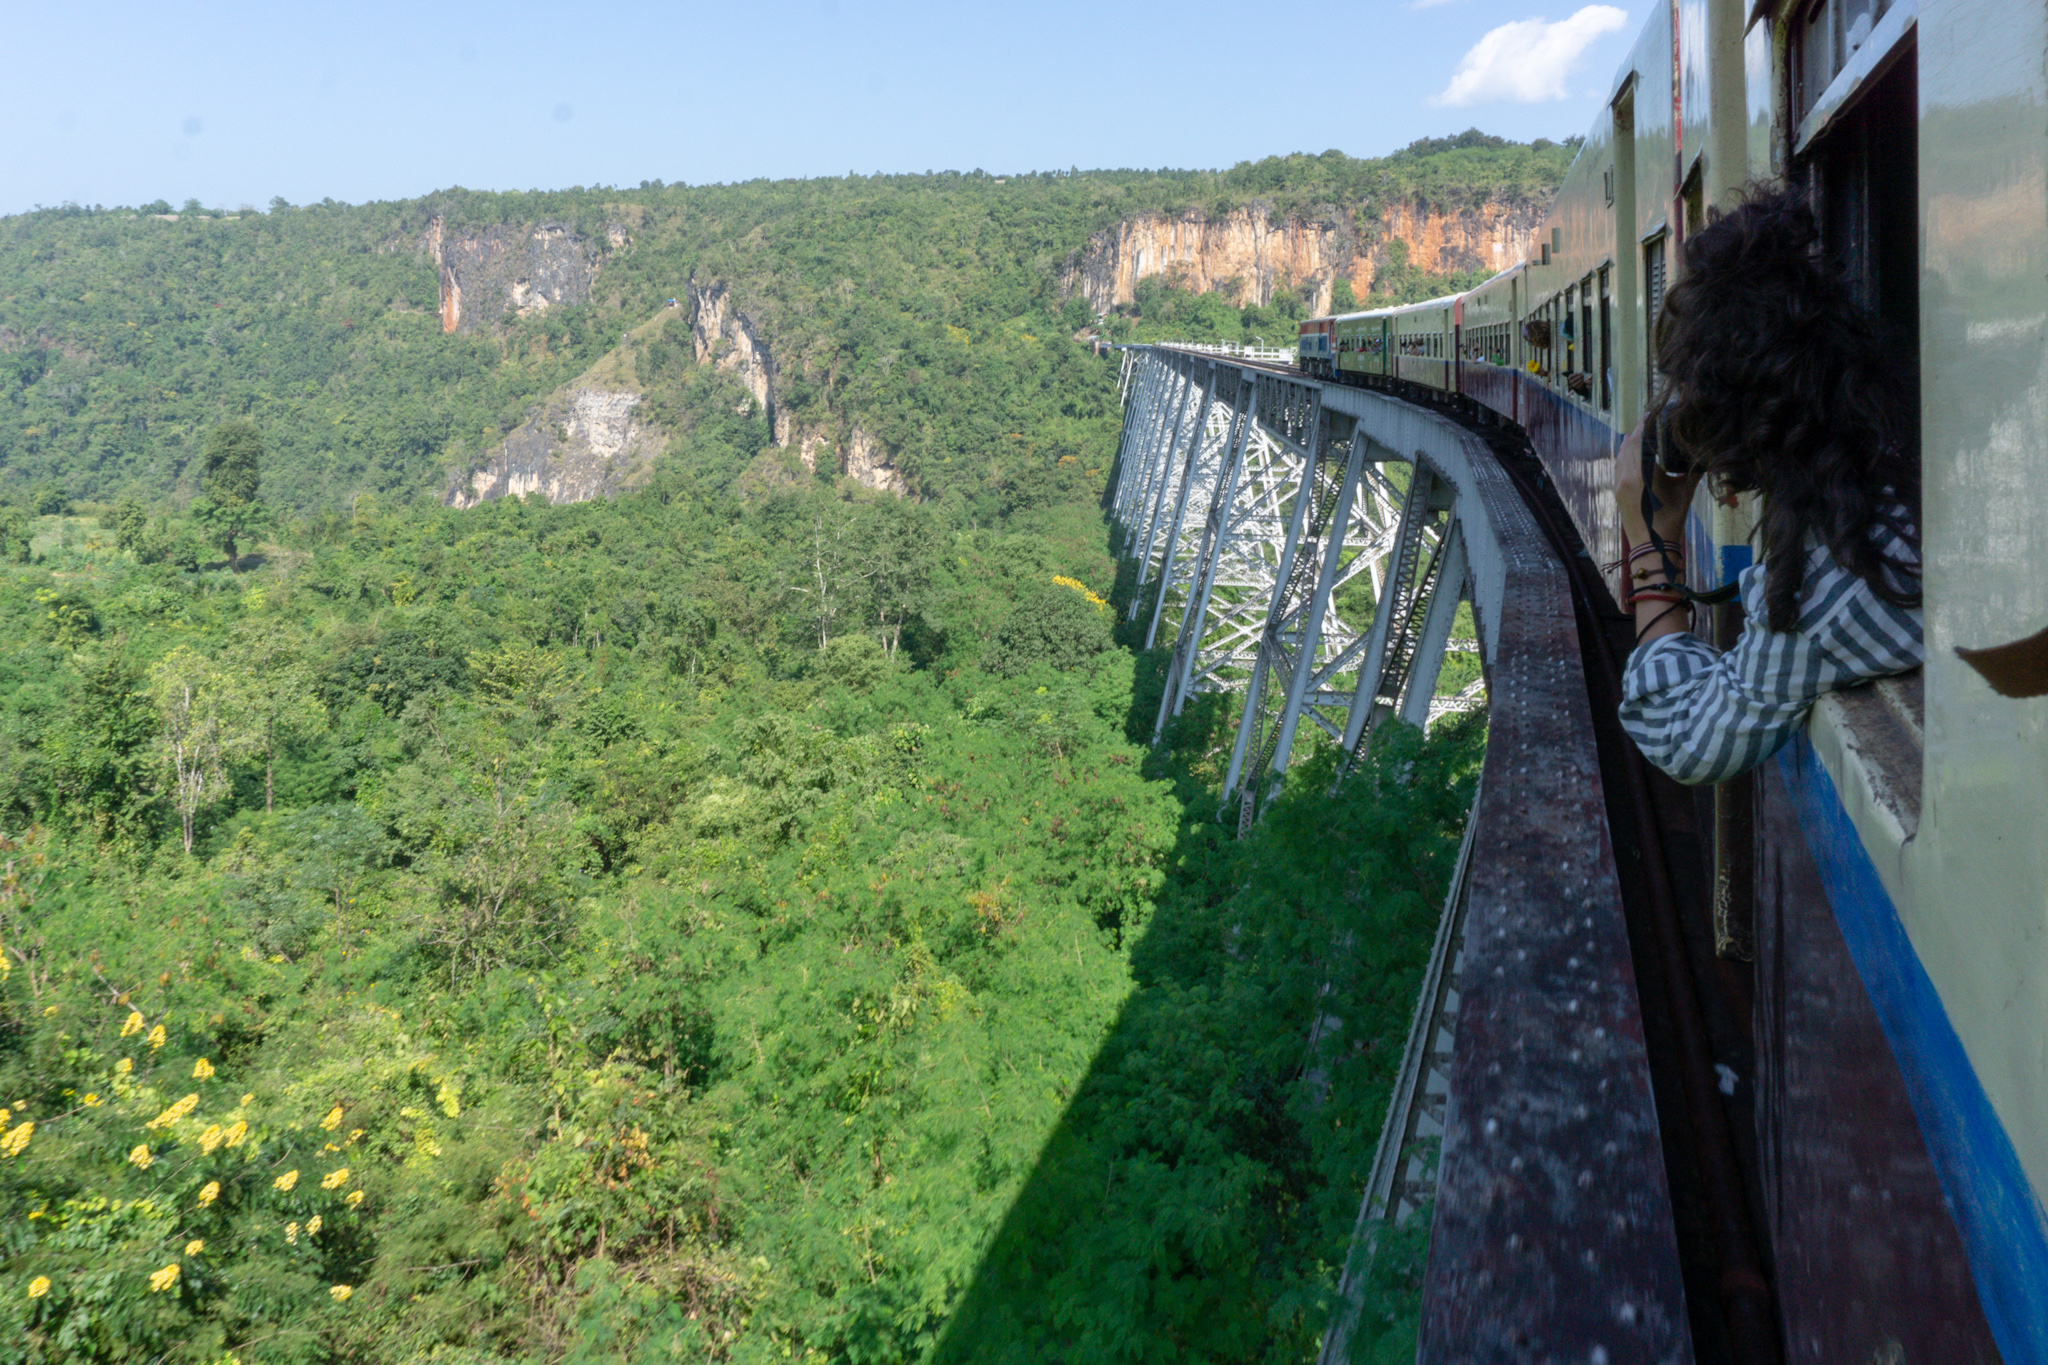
<point x="1880" y="897"/>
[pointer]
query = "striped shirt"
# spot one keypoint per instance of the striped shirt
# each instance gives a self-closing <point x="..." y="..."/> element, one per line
<point x="1705" y="716"/>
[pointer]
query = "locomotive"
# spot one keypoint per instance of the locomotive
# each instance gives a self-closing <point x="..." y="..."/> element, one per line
<point x="1881" y="884"/>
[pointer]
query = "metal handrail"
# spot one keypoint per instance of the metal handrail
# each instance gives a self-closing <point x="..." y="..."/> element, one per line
<point x="1267" y="353"/>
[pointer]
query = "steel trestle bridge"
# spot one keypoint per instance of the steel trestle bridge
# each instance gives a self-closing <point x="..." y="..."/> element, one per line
<point x="1265" y="514"/>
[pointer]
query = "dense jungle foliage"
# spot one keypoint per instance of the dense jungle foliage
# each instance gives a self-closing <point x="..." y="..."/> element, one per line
<point x="733" y="921"/>
<point x="507" y="935"/>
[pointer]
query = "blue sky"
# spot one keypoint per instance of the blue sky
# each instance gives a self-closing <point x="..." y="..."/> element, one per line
<point x="233" y="104"/>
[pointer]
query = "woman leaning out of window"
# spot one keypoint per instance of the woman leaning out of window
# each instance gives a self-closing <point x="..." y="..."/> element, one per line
<point x="1776" y="383"/>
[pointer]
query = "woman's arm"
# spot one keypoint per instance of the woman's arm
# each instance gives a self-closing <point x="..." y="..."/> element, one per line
<point x="1704" y="716"/>
<point x="1654" y="617"/>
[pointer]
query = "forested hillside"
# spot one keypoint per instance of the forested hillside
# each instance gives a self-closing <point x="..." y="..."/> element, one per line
<point x="731" y="920"/>
<point x="919" y="305"/>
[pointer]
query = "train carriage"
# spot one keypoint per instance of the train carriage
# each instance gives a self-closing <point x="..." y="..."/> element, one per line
<point x="1422" y="344"/>
<point x="1314" y="347"/>
<point x="1361" y="344"/>
<point x="1891" y="865"/>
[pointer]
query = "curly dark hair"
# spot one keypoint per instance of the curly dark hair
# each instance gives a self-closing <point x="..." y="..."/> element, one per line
<point x="1781" y="383"/>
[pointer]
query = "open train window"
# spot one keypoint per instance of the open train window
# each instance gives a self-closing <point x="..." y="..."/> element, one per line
<point x="1606" y="341"/>
<point x="1592" y="360"/>
<point x="1571" y="341"/>
<point x="1824" y="41"/>
<point x="1862" y="170"/>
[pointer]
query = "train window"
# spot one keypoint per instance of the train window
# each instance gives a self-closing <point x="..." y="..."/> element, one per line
<point x="1606" y="341"/>
<point x="1592" y="360"/>
<point x="1863" y="176"/>
<point x="1571" y="340"/>
<point x="1824" y="40"/>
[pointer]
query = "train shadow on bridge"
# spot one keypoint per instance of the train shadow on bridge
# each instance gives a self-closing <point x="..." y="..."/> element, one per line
<point x="1197" y="1197"/>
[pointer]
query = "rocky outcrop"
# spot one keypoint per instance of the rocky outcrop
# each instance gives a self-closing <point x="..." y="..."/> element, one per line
<point x="724" y="338"/>
<point x="510" y="269"/>
<point x="867" y="463"/>
<point x="1249" y="254"/>
<point x="589" y="443"/>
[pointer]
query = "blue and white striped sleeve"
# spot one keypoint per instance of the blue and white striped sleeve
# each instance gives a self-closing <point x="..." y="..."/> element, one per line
<point x="1704" y="716"/>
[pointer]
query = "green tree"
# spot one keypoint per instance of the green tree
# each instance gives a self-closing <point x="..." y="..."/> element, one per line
<point x="831" y="560"/>
<point x="130" y="524"/>
<point x="197" y="731"/>
<point x="272" y="691"/>
<point x="15" y="532"/>
<point x="900" y="553"/>
<point x="229" y="508"/>
<point x="1343" y="299"/>
<point x="1053" y="624"/>
<point x="100" y="751"/>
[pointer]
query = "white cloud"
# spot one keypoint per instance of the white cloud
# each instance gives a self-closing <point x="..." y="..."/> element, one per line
<point x="1529" y="59"/>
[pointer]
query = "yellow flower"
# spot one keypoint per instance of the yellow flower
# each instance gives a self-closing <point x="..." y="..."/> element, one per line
<point x="313" y="1225"/>
<point x="209" y="1192"/>
<point x="355" y="1197"/>
<point x="354" y="1133"/>
<point x="164" y="1279"/>
<point x="247" y="1098"/>
<point x="291" y="1233"/>
<point x="286" y="1181"/>
<point x="133" y="1025"/>
<point x="16" y="1139"/>
<point x="1081" y="588"/>
<point x="210" y="1139"/>
<point x="340" y="1293"/>
<point x="156" y="1038"/>
<point x="39" y="1286"/>
<point x="140" y="1157"/>
<point x="202" y="1070"/>
<point x="236" y="1132"/>
<point x="175" y="1112"/>
<point x="333" y="1119"/>
<point x="334" y="1180"/>
<point x="194" y="1247"/>
<point x="123" y="1067"/>
<point x="90" y="1099"/>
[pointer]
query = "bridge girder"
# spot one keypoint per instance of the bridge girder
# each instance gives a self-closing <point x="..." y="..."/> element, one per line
<point x="1248" y="510"/>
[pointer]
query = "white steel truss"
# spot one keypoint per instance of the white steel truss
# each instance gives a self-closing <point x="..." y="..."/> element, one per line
<point x="1246" y="510"/>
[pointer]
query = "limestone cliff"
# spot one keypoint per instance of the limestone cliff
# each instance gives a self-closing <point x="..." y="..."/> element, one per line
<point x="589" y="440"/>
<point x="516" y="269"/>
<point x="865" y="462"/>
<point x="583" y="444"/>
<point x="1250" y="255"/>
<point x="725" y="338"/>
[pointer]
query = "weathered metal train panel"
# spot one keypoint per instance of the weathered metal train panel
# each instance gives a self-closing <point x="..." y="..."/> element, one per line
<point x="1869" y="1264"/>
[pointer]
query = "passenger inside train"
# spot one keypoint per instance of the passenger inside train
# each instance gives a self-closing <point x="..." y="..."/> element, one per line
<point x="1774" y="382"/>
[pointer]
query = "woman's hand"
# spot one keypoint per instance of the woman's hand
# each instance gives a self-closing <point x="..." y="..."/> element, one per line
<point x="1673" y="495"/>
